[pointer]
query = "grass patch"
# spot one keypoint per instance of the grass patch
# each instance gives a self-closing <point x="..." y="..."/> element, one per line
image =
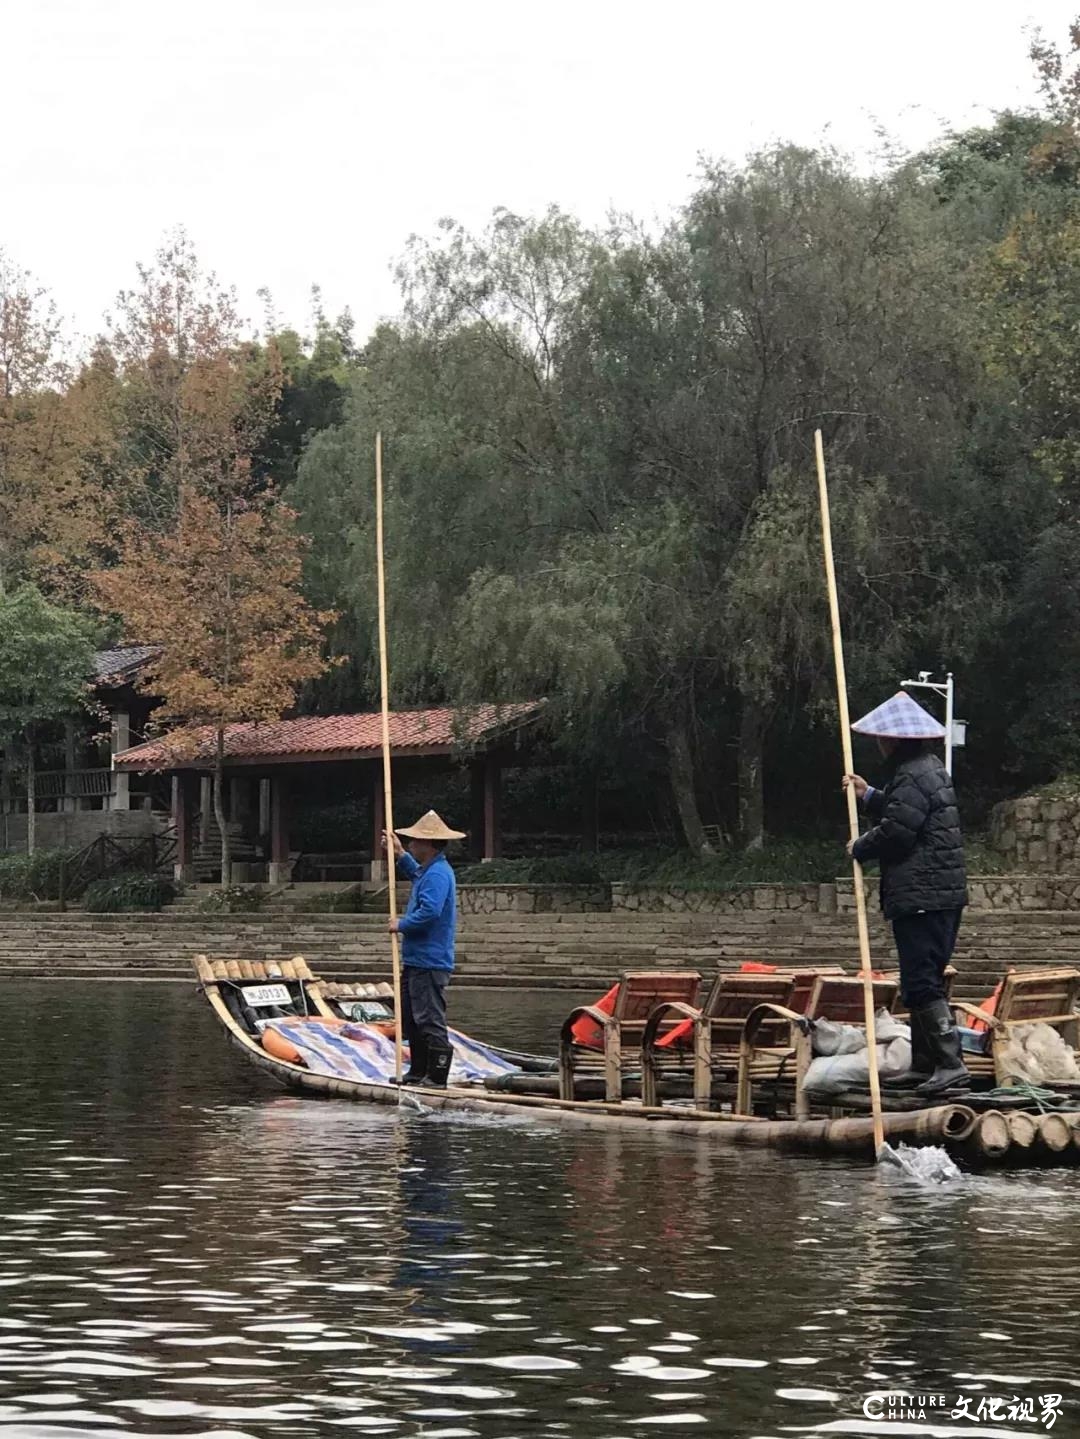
<point x="234" y="899"/>
<point x="353" y="900"/>
<point x="780" y="862"/>
<point x="126" y="892"/>
<point x="813" y="861"/>
<point x="544" y="869"/>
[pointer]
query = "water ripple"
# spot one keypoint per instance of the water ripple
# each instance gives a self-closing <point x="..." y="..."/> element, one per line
<point x="185" y="1253"/>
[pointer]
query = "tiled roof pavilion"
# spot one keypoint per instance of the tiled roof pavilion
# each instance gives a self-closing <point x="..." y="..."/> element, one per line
<point x="314" y="738"/>
<point x="270" y="758"/>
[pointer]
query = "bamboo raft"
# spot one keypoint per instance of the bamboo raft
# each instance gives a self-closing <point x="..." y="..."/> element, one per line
<point x="992" y="1137"/>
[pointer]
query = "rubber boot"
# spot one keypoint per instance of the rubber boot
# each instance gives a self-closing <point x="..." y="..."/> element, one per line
<point x="418" y="1063"/>
<point x="922" y="1061"/>
<point x="950" y="1072"/>
<point x="438" y="1071"/>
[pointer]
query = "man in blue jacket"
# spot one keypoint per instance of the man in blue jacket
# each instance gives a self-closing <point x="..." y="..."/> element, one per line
<point x="427" y="930"/>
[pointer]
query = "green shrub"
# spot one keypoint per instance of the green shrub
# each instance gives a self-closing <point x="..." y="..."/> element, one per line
<point x="353" y="900"/>
<point x="552" y="869"/>
<point x="35" y="876"/>
<point x="133" y="891"/>
<point x="780" y="862"/>
<point x="234" y="899"/>
<point x="982" y="857"/>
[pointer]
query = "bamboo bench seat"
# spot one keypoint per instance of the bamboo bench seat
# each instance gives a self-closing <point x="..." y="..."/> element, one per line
<point x="639" y="993"/>
<point x="713" y="1050"/>
<point x="1041" y="996"/>
<point x="839" y="998"/>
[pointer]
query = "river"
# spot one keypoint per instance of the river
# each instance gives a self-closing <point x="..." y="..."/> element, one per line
<point x="184" y="1251"/>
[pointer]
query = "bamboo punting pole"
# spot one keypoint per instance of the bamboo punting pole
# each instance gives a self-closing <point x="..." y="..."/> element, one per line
<point x="853" y="814"/>
<point x="388" y="788"/>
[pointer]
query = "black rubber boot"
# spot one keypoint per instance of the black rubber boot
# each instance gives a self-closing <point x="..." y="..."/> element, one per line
<point x="950" y="1072"/>
<point x="418" y="1063"/>
<point x="922" y="1061"/>
<point x="438" y="1070"/>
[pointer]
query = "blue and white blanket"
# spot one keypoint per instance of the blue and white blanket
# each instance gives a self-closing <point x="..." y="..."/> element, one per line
<point x="359" y="1052"/>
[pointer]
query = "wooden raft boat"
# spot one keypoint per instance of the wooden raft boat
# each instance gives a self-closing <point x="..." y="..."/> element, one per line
<point x="990" y="1137"/>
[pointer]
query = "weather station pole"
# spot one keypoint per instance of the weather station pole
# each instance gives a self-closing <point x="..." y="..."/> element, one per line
<point x="955" y="730"/>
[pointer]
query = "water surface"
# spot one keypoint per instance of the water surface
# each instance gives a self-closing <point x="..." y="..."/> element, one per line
<point x="184" y="1251"/>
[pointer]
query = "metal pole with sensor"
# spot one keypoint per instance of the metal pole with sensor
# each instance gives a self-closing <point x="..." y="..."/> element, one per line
<point x="955" y="730"/>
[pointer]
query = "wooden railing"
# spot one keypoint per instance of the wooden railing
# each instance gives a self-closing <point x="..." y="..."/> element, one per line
<point x="107" y="855"/>
<point x="62" y="784"/>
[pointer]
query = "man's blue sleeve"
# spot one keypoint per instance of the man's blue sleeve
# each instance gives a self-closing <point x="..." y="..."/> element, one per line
<point x="873" y="801"/>
<point x="407" y="867"/>
<point x="429" y="903"/>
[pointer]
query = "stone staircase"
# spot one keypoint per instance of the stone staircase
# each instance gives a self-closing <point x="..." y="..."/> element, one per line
<point x="577" y="951"/>
<point x="207" y="863"/>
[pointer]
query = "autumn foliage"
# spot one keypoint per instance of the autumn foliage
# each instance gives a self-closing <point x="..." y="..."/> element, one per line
<point x="219" y="594"/>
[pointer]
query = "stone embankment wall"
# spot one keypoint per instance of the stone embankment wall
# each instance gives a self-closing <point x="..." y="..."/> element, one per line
<point x="800" y="898"/>
<point x="78" y="828"/>
<point x="1006" y="894"/>
<point x="533" y="898"/>
<point x="1038" y="834"/>
<point x="580" y="952"/>
<point x="1001" y="894"/>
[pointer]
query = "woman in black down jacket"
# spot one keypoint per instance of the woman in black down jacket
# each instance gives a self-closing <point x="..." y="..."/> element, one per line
<point x="917" y="844"/>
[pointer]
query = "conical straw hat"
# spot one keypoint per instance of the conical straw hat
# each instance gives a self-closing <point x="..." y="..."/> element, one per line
<point x="900" y="718"/>
<point x="430" y="826"/>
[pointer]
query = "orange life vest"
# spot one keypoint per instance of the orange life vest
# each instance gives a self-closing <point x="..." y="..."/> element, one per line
<point x="585" y="1030"/>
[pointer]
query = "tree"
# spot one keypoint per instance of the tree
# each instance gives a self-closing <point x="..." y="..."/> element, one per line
<point x="219" y="594"/>
<point x="198" y="397"/>
<point x="46" y="660"/>
<point x="50" y="511"/>
<point x="316" y="375"/>
<point x="602" y="433"/>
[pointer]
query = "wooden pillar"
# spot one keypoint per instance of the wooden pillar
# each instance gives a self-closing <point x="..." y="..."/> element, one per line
<point x="183" y="803"/>
<point x="264" y="810"/>
<point x="280" y="868"/>
<point x="476" y="809"/>
<point x="206" y="807"/>
<point x="378" y="824"/>
<point x="120" y="739"/>
<point x="69" y="802"/>
<point x="492" y="808"/>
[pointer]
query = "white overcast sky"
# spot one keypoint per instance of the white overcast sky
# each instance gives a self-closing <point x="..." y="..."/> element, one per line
<point x="305" y="140"/>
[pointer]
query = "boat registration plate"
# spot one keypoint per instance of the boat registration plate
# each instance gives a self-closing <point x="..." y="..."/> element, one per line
<point x="259" y="994"/>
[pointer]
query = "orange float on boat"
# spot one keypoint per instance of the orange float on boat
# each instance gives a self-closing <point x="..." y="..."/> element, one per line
<point x="276" y="1044"/>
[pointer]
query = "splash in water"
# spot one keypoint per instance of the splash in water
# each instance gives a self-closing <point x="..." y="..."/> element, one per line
<point x="929" y="1164"/>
